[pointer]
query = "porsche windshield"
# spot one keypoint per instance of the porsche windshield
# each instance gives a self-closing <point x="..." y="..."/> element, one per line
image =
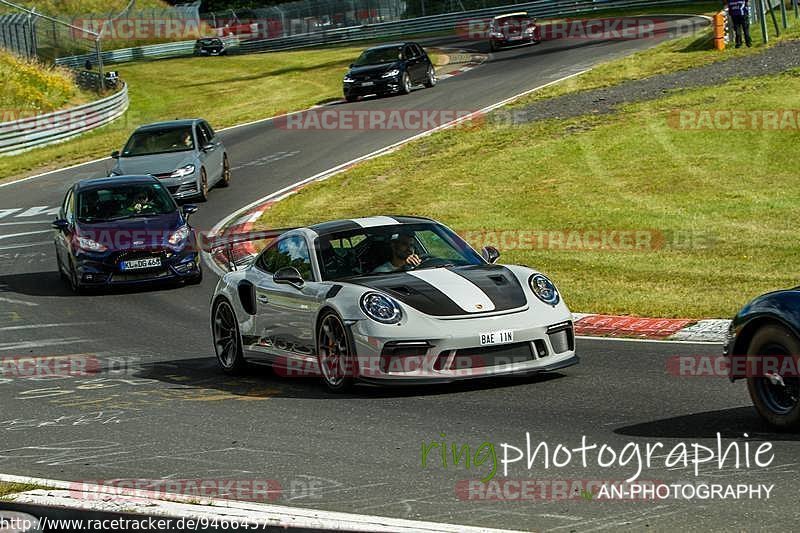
<point x="376" y="56"/>
<point x="124" y="201"/>
<point x="386" y="249"/>
<point x="159" y="141"/>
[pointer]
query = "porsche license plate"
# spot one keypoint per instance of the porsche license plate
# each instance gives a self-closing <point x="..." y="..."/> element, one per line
<point x="140" y="264"/>
<point x="497" y="337"/>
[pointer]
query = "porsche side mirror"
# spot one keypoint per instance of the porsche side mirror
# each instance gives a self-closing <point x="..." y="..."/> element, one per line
<point x="60" y="224"/>
<point x="288" y="276"/>
<point x="490" y="253"/>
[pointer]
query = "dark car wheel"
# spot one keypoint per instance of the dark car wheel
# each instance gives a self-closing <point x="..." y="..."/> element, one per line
<point x="350" y="97"/>
<point x="227" y="341"/>
<point x="74" y="282"/>
<point x="405" y="85"/>
<point x="226" y="172"/>
<point x="430" y="81"/>
<point x="335" y="358"/>
<point x="203" y="193"/>
<point x="197" y="279"/>
<point x="61" y="269"/>
<point x="492" y="46"/>
<point x="776" y="397"/>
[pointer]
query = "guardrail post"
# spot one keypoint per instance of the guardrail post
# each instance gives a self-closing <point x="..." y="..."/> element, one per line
<point x="774" y="18"/>
<point x="762" y="19"/>
<point x="796" y="9"/>
<point x="784" y="18"/>
<point x="101" y="85"/>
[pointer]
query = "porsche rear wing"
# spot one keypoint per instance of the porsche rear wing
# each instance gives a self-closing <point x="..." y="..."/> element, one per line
<point x="237" y="250"/>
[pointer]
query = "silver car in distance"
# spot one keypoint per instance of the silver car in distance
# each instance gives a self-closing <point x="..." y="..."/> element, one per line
<point x="388" y="300"/>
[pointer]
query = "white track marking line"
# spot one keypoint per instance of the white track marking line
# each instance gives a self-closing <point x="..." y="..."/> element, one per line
<point x="627" y="339"/>
<point x="11" y="235"/>
<point x="37" y="326"/>
<point x="18" y="302"/>
<point x="183" y="505"/>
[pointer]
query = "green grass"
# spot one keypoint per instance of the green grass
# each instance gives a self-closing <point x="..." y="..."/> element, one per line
<point x="729" y="216"/>
<point x="65" y="8"/>
<point x="32" y="87"/>
<point x="7" y="489"/>
<point x="677" y="54"/>
<point x="224" y="90"/>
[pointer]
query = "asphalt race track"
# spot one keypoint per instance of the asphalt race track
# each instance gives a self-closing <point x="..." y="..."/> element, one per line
<point x="163" y="410"/>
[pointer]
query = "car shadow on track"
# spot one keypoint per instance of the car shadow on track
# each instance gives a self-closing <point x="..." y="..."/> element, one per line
<point x="729" y="423"/>
<point x="260" y="381"/>
<point x="50" y="284"/>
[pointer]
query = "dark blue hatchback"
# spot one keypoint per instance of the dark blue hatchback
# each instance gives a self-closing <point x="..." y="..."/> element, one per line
<point x="124" y="230"/>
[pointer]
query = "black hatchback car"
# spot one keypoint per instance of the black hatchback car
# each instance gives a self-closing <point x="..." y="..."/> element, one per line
<point x="763" y="346"/>
<point x="124" y="230"/>
<point x="389" y="69"/>
<point x="211" y="46"/>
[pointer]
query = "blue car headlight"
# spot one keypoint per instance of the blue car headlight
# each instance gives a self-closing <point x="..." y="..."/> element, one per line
<point x="544" y="289"/>
<point x="179" y="235"/>
<point x="381" y="308"/>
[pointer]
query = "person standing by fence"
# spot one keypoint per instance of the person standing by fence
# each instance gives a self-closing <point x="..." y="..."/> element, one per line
<point x="739" y="11"/>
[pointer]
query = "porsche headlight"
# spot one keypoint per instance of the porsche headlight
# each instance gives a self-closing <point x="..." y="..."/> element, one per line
<point x="89" y="245"/>
<point x="381" y="308"/>
<point x="544" y="289"/>
<point x="188" y="170"/>
<point x="391" y="74"/>
<point x="179" y="236"/>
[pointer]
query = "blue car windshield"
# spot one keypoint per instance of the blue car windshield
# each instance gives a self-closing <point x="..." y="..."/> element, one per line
<point x="383" y="249"/>
<point x="117" y="202"/>
<point x="376" y="56"/>
<point x="159" y="141"/>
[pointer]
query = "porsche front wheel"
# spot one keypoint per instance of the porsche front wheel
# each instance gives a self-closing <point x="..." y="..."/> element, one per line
<point x="335" y="358"/>
<point x="227" y="341"/>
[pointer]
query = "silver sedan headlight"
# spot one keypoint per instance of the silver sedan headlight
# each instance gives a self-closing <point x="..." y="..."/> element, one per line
<point x="188" y="170"/>
<point x="381" y="308"/>
<point x="544" y="289"/>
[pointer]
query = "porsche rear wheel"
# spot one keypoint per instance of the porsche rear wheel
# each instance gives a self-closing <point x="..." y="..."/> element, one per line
<point x="775" y="396"/>
<point x="335" y="358"/>
<point x="227" y="340"/>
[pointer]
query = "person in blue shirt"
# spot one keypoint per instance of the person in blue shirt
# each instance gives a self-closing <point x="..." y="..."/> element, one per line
<point x="739" y="11"/>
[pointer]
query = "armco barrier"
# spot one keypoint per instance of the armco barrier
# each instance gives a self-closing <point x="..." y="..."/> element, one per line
<point x="40" y="130"/>
<point x="415" y="26"/>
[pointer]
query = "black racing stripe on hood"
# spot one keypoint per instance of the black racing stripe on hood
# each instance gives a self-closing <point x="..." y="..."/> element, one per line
<point x="499" y="284"/>
<point x="412" y="291"/>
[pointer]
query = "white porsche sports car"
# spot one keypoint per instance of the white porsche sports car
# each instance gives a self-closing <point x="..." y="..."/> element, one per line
<point x="388" y="300"/>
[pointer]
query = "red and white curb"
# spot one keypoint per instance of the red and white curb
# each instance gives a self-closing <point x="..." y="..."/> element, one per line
<point x="474" y="60"/>
<point x="663" y="329"/>
<point x="80" y="496"/>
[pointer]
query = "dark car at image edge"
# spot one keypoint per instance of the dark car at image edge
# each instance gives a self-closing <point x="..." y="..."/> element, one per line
<point x="124" y="230"/>
<point x="763" y="346"/>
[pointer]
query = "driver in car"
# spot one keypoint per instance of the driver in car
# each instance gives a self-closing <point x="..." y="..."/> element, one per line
<point x="403" y="254"/>
<point x="141" y="202"/>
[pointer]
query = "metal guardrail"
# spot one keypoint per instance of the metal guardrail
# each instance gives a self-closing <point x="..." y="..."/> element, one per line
<point x="415" y="26"/>
<point x="40" y="130"/>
